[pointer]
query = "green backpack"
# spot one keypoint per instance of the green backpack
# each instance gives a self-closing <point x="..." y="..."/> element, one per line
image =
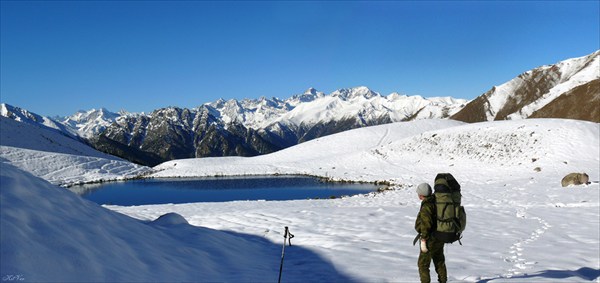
<point x="450" y="215"/>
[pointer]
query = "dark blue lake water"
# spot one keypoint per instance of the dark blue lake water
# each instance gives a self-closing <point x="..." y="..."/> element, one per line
<point x="215" y="189"/>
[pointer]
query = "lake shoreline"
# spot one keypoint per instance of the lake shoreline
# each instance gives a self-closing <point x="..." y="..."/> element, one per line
<point x="220" y="189"/>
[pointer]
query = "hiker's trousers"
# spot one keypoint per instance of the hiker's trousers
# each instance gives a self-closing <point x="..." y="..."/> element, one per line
<point x="435" y="253"/>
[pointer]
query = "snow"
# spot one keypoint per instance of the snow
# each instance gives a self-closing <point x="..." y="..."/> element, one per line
<point x="563" y="76"/>
<point x="93" y="122"/>
<point x="52" y="235"/>
<point x="342" y="151"/>
<point x="59" y="159"/>
<point x="522" y="225"/>
<point x="362" y="102"/>
<point x="578" y="70"/>
<point x="22" y="115"/>
<point x="304" y="111"/>
<point x="314" y="107"/>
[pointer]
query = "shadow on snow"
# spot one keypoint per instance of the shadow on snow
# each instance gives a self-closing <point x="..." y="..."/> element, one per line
<point x="584" y="273"/>
<point x="300" y="264"/>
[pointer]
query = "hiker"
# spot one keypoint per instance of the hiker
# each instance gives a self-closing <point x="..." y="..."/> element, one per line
<point x="431" y="248"/>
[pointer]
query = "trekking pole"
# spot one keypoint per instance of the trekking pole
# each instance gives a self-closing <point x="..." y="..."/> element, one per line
<point x="286" y="236"/>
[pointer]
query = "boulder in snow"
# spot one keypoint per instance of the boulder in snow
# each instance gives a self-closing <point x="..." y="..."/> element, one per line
<point x="575" y="179"/>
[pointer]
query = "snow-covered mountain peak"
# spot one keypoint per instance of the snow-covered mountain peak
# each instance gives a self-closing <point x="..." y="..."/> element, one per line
<point x="19" y="114"/>
<point x="545" y="91"/>
<point x="233" y="104"/>
<point x="309" y="95"/>
<point x="268" y="102"/>
<point x="92" y="122"/>
<point x="395" y="95"/>
<point x="356" y="92"/>
<point x="217" y="103"/>
<point x="585" y="66"/>
<point x="83" y="116"/>
<point x="22" y="115"/>
<point x="311" y="91"/>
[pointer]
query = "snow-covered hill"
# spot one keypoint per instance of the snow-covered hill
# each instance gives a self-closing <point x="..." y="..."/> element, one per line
<point x="58" y="158"/>
<point x="24" y="116"/>
<point x="52" y="235"/>
<point x="572" y="82"/>
<point x="559" y="146"/>
<point x="523" y="226"/>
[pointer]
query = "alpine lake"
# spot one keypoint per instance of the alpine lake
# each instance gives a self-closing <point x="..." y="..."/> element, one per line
<point x="217" y="189"/>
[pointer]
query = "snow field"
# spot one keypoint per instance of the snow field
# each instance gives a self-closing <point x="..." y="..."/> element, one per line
<point x="510" y="172"/>
<point x="369" y="238"/>
<point x="522" y="226"/>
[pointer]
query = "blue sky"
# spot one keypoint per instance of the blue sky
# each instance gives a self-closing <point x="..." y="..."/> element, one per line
<point x="60" y="57"/>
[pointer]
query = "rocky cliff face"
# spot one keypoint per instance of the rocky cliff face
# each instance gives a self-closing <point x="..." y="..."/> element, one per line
<point x="580" y="103"/>
<point x="176" y="133"/>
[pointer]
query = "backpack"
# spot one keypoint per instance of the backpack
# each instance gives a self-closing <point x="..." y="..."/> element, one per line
<point x="451" y="217"/>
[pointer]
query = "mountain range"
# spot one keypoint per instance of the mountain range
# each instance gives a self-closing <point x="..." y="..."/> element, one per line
<point x="249" y="127"/>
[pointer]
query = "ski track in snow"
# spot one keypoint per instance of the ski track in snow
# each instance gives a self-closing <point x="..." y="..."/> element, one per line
<point x="67" y="169"/>
<point x="383" y="138"/>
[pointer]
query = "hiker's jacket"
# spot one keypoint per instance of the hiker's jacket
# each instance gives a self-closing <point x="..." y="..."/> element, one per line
<point x="425" y="223"/>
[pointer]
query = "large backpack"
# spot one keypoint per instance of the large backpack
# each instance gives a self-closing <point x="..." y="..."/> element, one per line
<point x="451" y="217"/>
